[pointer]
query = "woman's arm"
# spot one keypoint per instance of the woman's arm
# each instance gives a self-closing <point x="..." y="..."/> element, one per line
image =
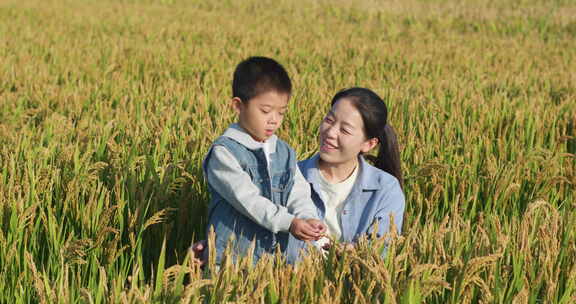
<point x="390" y="208"/>
<point x="393" y="209"/>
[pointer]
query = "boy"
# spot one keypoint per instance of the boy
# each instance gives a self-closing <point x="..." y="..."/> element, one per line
<point x="257" y="191"/>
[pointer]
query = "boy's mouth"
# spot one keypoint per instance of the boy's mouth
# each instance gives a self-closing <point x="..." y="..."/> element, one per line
<point x="269" y="132"/>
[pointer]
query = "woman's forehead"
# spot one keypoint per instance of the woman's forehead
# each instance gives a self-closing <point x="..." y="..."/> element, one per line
<point x="347" y="113"/>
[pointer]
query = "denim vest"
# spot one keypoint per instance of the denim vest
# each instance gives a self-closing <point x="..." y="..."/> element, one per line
<point x="275" y="185"/>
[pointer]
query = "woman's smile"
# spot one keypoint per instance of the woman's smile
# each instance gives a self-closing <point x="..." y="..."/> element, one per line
<point x="326" y="146"/>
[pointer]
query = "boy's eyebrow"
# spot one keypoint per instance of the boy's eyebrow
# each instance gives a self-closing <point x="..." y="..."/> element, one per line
<point x="271" y="106"/>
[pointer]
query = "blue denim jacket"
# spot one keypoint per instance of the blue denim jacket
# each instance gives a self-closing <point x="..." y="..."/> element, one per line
<point x="374" y="197"/>
<point x="241" y="194"/>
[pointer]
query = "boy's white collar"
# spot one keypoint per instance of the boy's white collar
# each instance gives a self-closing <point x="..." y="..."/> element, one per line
<point x="238" y="134"/>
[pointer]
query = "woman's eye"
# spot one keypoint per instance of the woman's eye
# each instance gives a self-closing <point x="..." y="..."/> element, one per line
<point x="346" y="131"/>
<point x="281" y="113"/>
<point x="265" y="111"/>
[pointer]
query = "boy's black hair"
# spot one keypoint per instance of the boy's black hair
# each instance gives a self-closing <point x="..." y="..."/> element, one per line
<point x="257" y="75"/>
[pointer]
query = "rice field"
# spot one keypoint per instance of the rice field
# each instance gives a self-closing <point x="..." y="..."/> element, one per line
<point x="108" y="107"/>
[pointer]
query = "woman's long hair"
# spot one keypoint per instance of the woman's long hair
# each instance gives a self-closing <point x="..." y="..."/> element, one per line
<point x="374" y="115"/>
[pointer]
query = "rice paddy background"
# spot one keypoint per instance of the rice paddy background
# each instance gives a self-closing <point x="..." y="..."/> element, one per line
<point x="108" y="107"/>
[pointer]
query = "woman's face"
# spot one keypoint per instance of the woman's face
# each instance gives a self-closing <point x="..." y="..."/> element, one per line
<point x="342" y="135"/>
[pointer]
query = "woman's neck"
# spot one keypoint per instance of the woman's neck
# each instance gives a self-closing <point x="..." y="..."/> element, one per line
<point x="336" y="173"/>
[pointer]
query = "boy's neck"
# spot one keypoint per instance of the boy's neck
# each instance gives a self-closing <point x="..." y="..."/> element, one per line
<point x="337" y="173"/>
<point x="252" y="136"/>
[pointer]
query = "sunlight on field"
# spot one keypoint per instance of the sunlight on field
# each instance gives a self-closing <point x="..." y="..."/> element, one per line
<point x="108" y="107"/>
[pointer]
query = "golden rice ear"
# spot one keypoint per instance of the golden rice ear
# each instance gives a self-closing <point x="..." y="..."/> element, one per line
<point x="247" y="261"/>
<point x="211" y="250"/>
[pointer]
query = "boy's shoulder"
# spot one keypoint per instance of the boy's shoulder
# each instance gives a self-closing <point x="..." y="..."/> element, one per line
<point x="224" y="140"/>
<point x="235" y="135"/>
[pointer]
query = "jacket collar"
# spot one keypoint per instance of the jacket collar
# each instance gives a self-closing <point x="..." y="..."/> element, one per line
<point x="367" y="178"/>
<point x="238" y="134"/>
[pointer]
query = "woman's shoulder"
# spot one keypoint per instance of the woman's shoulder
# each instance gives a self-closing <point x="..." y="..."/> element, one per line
<point x="376" y="178"/>
<point x="387" y="193"/>
<point x="308" y="163"/>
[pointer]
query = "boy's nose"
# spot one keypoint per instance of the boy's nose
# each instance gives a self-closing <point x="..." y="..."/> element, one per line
<point x="273" y="118"/>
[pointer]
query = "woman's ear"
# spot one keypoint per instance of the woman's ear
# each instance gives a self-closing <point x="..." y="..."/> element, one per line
<point x="237" y="104"/>
<point x="369" y="145"/>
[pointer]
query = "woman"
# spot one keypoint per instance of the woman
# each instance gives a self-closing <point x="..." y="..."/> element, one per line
<point x="352" y="196"/>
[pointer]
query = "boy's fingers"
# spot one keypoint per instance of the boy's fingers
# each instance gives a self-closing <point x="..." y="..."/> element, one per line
<point x="307" y="231"/>
<point x="312" y="234"/>
<point x="303" y="237"/>
<point x="305" y="234"/>
<point x="319" y="226"/>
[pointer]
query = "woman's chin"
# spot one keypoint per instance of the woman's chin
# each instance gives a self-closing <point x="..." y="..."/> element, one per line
<point x="327" y="156"/>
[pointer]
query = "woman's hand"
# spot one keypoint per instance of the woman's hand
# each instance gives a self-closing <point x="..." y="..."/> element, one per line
<point x="198" y="249"/>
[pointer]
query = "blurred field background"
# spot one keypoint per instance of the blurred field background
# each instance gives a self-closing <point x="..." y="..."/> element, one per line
<point x="108" y="107"/>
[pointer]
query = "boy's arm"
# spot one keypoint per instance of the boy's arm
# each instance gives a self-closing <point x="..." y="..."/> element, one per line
<point x="225" y="175"/>
<point x="300" y="198"/>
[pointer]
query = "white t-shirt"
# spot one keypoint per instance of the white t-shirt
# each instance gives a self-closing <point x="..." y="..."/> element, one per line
<point x="266" y="146"/>
<point x="334" y="196"/>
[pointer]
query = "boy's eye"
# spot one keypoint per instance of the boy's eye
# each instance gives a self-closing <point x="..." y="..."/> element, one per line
<point x="265" y="111"/>
<point x="282" y="113"/>
<point x="346" y="131"/>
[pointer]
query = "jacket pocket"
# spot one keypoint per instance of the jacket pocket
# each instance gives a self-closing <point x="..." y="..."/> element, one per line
<point x="281" y="186"/>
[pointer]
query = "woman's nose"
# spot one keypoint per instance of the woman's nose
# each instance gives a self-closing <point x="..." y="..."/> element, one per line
<point x="331" y="132"/>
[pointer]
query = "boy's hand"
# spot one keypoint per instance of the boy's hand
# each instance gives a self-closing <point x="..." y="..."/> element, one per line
<point x="304" y="230"/>
<point x="197" y="252"/>
<point x="318" y="224"/>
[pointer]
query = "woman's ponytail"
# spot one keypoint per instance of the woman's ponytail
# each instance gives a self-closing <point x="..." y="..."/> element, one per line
<point x="388" y="158"/>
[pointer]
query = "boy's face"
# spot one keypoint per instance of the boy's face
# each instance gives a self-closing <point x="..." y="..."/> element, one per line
<point x="262" y="115"/>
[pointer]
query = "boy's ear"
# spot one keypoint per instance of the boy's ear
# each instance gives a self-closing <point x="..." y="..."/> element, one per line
<point x="237" y="104"/>
<point x="369" y="145"/>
